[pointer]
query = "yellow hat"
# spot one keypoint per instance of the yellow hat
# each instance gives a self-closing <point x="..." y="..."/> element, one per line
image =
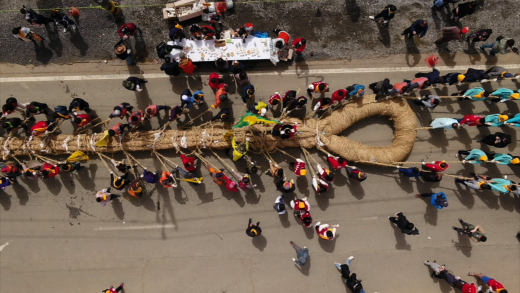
<point x="303" y="172"/>
<point x="502" y="118"/>
<point x="253" y="231"/>
<point x="502" y="75"/>
<point x="515" y="161"/>
<point x="483" y="158"/>
<point x="301" y="205"/>
<point x="461" y="77"/>
<point x="514" y="96"/>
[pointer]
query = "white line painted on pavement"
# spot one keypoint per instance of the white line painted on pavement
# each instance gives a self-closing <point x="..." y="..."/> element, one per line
<point x="3" y="246"/>
<point x="371" y="218"/>
<point x="141" y="227"/>
<point x="309" y="72"/>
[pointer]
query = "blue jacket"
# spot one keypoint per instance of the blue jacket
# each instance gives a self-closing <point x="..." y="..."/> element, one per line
<point x="418" y="29"/>
<point x="245" y="96"/>
<point x="409" y="172"/>
<point x="433" y="76"/>
<point x="452" y="78"/>
<point x="199" y="93"/>
<point x="357" y="88"/>
<point x="181" y="35"/>
<point x="435" y="198"/>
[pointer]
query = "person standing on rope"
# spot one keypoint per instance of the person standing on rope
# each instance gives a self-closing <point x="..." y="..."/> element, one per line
<point x="437" y="166"/>
<point x="438" y="200"/>
<point x="150" y="177"/>
<point x="498" y="140"/>
<point x="285" y="185"/>
<point x="122" y="110"/>
<point x="336" y="163"/>
<point x="428" y="101"/>
<point x="430" y="176"/>
<point x="240" y="149"/>
<point x="135" y="189"/>
<point x="474" y="156"/>
<point x="475" y="233"/>
<point x="118" y="182"/>
<point x="478" y="182"/>
<point x="402" y="223"/>
<point x="356" y="173"/>
<point x="253" y="229"/>
<point x="409" y="172"/>
<point x="299" y="167"/>
<point x="325" y="231"/>
<point x="319" y="185"/>
<point x="104" y="195"/>
<point x="220" y="96"/>
<point x="167" y="180"/>
<point x="275" y="171"/>
<point x="153" y="110"/>
<point x="279" y="205"/>
<point x="446" y="123"/>
<point x="244" y="181"/>
<point x="318" y="87"/>
<point x="248" y="92"/>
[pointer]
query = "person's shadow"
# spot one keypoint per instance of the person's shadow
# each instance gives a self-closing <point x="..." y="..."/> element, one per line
<point x="463" y="244"/>
<point x="401" y="243"/>
<point x="328" y="245"/>
<point x="384" y="34"/>
<point x="260" y="242"/>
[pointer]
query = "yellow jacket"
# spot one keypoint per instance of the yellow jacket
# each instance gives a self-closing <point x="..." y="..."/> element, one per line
<point x="236" y="154"/>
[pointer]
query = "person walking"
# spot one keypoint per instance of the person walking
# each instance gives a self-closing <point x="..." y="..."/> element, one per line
<point x="134" y="83"/>
<point x="299" y="45"/>
<point x="438" y="200"/>
<point x="114" y="290"/>
<point x="428" y="101"/>
<point x="325" y="231"/>
<point x="170" y="67"/>
<point x="479" y="36"/>
<point x="128" y="30"/>
<point x="464" y="9"/>
<point x="302" y="254"/>
<point x="387" y="14"/>
<point x="34" y="18"/>
<point x="279" y="205"/>
<point x="475" y="233"/>
<point x="64" y="20"/>
<point x="418" y="29"/>
<point x="123" y="53"/>
<point x="104" y="195"/>
<point x="492" y="283"/>
<point x="350" y="278"/>
<point x="402" y="223"/>
<point x="498" y="140"/>
<point x="253" y="229"/>
<point x="451" y="33"/>
<point x="25" y="34"/>
<point x="500" y="46"/>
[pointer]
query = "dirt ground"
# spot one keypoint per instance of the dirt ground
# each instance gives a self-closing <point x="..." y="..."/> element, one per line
<point x="335" y="29"/>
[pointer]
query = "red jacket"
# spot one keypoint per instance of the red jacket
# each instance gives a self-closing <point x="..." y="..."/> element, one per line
<point x="334" y="164"/>
<point x="299" y="166"/>
<point x="230" y="184"/>
<point x="301" y="48"/>
<point x="337" y="98"/>
<point x="221" y="91"/>
<point x="436" y="166"/>
<point x="420" y="81"/>
<point x="189" y="163"/>
<point x="85" y="119"/>
<point x="284" y="36"/>
<point x="131" y="29"/>
<point x="317" y="84"/>
<point x="53" y="169"/>
<point x="39" y="128"/>
<point x="188" y="67"/>
<point x="470" y="120"/>
<point x="399" y="87"/>
<point x="297" y="205"/>
<point x="275" y="99"/>
<point x="467" y="288"/>
<point x="215" y="85"/>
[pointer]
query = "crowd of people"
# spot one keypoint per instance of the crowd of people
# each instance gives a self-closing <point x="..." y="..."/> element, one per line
<point x="126" y="178"/>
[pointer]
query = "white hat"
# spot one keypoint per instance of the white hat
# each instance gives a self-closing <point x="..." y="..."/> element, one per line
<point x="311" y="87"/>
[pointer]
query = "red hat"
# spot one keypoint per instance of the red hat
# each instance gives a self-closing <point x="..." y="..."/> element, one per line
<point x="464" y="30"/>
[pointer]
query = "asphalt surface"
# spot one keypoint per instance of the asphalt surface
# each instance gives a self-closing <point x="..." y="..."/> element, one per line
<point x="55" y="238"/>
<point x="335" y="29"/>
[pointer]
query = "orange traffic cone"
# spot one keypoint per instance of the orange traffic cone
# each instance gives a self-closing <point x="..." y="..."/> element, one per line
<point x="74" y="11"/>
<point x="431" y="61"/>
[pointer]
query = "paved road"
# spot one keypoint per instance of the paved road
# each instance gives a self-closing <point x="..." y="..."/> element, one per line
<point x="192" y="239"/>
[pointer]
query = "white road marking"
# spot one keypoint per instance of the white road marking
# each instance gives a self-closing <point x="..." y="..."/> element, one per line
<point x="371" y="218"/>
<point x="309" y="72"/>
<point x="141" y="227"/>
<point x="3" y="246"/>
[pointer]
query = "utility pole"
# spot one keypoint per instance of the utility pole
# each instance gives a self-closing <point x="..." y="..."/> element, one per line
<point x="109" y="5"/>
